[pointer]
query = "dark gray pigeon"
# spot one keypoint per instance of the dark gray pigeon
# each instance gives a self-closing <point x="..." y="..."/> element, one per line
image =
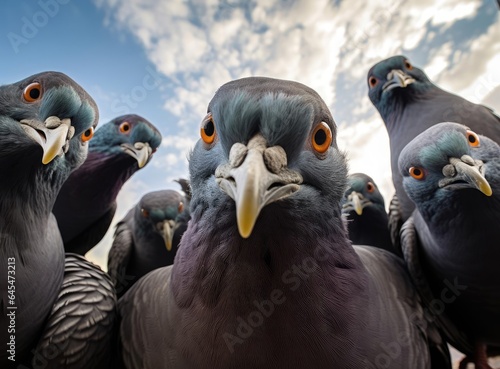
<point x="363" y="208"/>
<point x="86" y="203"/>
<point x="46" y="121"/>
<point x="451" y="241"/>
<point x="409" y="103"/>
<point x="144" y="239"/>
<point x="265" y="276"/>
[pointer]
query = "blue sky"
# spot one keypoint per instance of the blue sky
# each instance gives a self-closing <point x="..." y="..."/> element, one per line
<point x="165" y="59"/>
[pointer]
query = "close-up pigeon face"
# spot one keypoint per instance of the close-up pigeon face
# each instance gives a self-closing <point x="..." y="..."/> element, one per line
<point x="395" y="78"/>
<point x="157" y="212"/>
<point x="444" y="159"/>
<point x="131" y="135"/>
<point x="267" y="149"/>
<point x="361" y="192"/>
<point x="48" y="118"/>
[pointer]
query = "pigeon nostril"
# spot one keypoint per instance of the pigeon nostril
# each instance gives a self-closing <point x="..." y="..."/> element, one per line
<point x="275" y="159"/>
<point x="449" y="170"/>
<point x="237" y="154"/>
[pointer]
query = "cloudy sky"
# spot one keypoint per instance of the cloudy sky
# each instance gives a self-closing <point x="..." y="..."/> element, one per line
<point x="115" y="48"/>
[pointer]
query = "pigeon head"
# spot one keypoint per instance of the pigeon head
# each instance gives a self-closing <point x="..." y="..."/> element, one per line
<point x="361" y="192"/>
<point x="266" y="144"/>
<point x="395" y="81"/>
<point x="129" y="135"/>
<point x="46" y="121"/>
<point x="445" y="161"/>
<point x="157" y="213"/>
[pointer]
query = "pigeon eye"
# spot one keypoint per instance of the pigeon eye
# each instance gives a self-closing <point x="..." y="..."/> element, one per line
<point x="180" y="209"/>
<point x="144" y="213"/>
<point x="370" y="187"/>
<point x="372" y="81"/>
<point x="88" y="134"/>
<point x="408" y="65"/>
<point x="321" y="138"/>
<point x="124" y="127"/>
<point x="32" y="92"/>
<point x="417" y="173"/>
<point x="207" y="130"/>
<point x="472" y="139"/>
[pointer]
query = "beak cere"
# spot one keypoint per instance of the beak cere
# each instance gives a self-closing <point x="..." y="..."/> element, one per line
<point x="141" y="151"/>
<point x="53" y="135"/>
<point x="465" y="172"/>
<point x="397" y="78"/>
<point x="255" y="176"/>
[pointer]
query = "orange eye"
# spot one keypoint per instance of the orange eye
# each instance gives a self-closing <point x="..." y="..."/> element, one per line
<point x="32" y="92"/>
<point x="124" y="127"/>
<point x="88" y="134"/>
<point x="321" y="138"/>
<point x="372" y="81"/>
<point x="408" y="65"/>
<point x="417" y="173"/>
<point x="370" y="187"/>
<point x="472" y="139"/>
<point x="207" y="130"/>
<point x="145" y="213"/>
<point x="180" y="209"/>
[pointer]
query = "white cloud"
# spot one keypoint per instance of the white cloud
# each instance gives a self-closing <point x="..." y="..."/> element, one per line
<point x="453" y="11"/>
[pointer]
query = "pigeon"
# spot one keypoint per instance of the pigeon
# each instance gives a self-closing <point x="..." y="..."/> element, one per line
<point x="363" y="208"/>
<point x="265" y="275"/>
<point x="86" y="203"/>
<point x="144" y="239"/>
<point x="452" y="174"/>
<point x="409" y="103"/>
<point x="46" y="121"/>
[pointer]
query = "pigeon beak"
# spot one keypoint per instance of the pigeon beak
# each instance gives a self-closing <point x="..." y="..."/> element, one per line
<point x="397" y="78"/>
<point x="465" y="173"/>
<point x="354" y="197"/>
<point x="141" y="151"/>
<point x="255" y="177"/>
<point x="53" y="135"/>
<point x="167" y="229"/>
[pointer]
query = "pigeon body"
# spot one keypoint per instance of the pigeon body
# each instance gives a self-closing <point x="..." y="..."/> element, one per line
<point x="265" y="276"/>
<point x="453" y="176"/>
<point x="46" y="121"/>
<point x="144" y="239"/>
<point x="409" y="103"/>
<point x="86" y="203"/>
<point x="364" y="210"/>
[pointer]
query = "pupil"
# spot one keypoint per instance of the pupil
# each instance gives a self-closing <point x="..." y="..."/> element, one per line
<point x="472" y="139"/>
<point x="209" y="128"/>
<point x="34" y="93"/>
<point x="416" y="172"/>
<point x="320" y="137"/>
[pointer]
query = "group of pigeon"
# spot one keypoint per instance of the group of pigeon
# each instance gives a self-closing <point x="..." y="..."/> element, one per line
<point x="273" y="256"/>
